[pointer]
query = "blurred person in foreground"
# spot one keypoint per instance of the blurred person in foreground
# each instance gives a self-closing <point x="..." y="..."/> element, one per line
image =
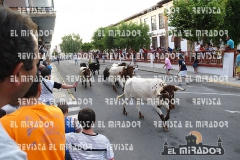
<point x="88" y="144"/>
<point x="13" y="67"/>
<point x="37" y="128"/>
<point x="71" y="125"/>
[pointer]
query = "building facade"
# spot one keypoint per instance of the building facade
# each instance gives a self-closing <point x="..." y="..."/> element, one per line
<point x="41" y="12"/>
<point x="158" y="24"/>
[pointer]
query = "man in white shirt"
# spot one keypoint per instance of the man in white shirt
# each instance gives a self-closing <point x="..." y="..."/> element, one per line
<point x="197" y="48"/>
<point x="15" y="67"/>
<point x="88" y="144"/>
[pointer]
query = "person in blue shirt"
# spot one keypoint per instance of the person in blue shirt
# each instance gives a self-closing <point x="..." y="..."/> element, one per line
<point x="237" y="64"/>
<point x="230" y="43"/>
<point x="71" y="125"/>
<point x="46" y="64"/>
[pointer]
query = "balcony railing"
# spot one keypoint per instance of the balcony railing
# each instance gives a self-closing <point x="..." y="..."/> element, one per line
<point x="206" y="58"/>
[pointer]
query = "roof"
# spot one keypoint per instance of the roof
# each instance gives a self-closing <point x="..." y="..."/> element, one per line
<point x="154" y="7"/>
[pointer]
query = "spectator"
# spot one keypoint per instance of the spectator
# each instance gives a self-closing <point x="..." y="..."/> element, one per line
<point x="141" y="53"/>
<point x="37" y="126"/>
<point x="58" y="59"/>
<point x="71" y="125"/>
<point x="218" y="53"/>
<point x="230" y="45"/>
<point x="46" y="64"/>
<point x="145" y="54"/>
<point x="134" y="56"/>
<point x="168" y="65"/>
<point x="182" y="71"/>
<point x="195" y="64"/>
<point x="197" y="48"/>
<point x="170" y="50"/>
<point x="103" y="56"/>
<point x="97" y="57"/>
<point x="98" y="146"/>
<point x="76" y="59"/>
<point x="12" y="66"/>
<point x="237" y="64"/>
<point x="48" y="85"/>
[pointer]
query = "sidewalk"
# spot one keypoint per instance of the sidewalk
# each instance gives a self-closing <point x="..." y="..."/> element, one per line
<point x="203" y="77"/>
<point x="60" y="94"/>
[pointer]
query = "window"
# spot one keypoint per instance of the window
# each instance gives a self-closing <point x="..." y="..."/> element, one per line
<point x="146" y="21"/>
<point x="161" y="21"/>
<point x="163" y="41"/>
<point x="153" y="23"/>
<point x="154" y="42"/>
<point x="177" y="42"/>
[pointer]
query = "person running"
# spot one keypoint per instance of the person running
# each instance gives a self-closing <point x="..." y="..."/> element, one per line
<point x="182" y="71"/>
<point x="88" y="144"/>
<point x="168" y="65"/>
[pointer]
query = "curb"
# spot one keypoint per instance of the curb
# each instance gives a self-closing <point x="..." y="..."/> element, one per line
<point x="69" y="92"/>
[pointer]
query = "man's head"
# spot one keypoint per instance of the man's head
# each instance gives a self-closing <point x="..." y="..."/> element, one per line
<point x="228" y="37"/>
<point x="86" y="117"/>
<point x="14" y="45"/>
<point x="45" y="73"/>
<point x="35" y="90"/>
<point x="63" y="107"/>
<point x="180" y="57"/>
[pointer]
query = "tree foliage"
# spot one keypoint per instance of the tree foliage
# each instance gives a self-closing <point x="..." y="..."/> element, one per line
<point x="125" y="35"/>
<point x="71" y="43"/>
<point x="86" y="47"/>
<point x="192" y="16"/>
<point x="232" y="20"/>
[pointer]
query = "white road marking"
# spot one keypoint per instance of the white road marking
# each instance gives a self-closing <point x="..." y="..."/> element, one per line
<point x="210" y="93"/>
<point x="233" y="111"/>
<point x="74" y="109"/>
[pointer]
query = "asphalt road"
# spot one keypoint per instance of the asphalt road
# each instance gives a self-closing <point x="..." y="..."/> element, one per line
<point x="144" y="139"/>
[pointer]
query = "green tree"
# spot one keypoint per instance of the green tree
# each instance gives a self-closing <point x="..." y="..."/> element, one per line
<point x="232" y="20"/>
<point x="97" y="39"/>
<point x="86" y="47"/>
<point x="189" y="18"/>
<point x="71" y="43"/>
<point x="124" y="36"/>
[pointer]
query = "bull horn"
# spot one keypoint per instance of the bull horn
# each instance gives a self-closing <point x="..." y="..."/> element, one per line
<point x="179" y="88"/>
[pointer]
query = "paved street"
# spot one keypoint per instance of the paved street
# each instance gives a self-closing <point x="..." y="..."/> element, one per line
<point x="144" y="139"/>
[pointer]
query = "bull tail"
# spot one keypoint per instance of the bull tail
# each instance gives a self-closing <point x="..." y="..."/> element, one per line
<point x="120" y="96"/>
<point x="179" y="88"/>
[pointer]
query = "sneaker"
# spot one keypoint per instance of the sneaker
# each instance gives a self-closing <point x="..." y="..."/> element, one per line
<point x="179" y="84"/>
<point x="187" y="83"/>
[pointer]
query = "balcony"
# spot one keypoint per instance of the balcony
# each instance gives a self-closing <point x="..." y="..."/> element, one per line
<point x="42" y="13"/>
